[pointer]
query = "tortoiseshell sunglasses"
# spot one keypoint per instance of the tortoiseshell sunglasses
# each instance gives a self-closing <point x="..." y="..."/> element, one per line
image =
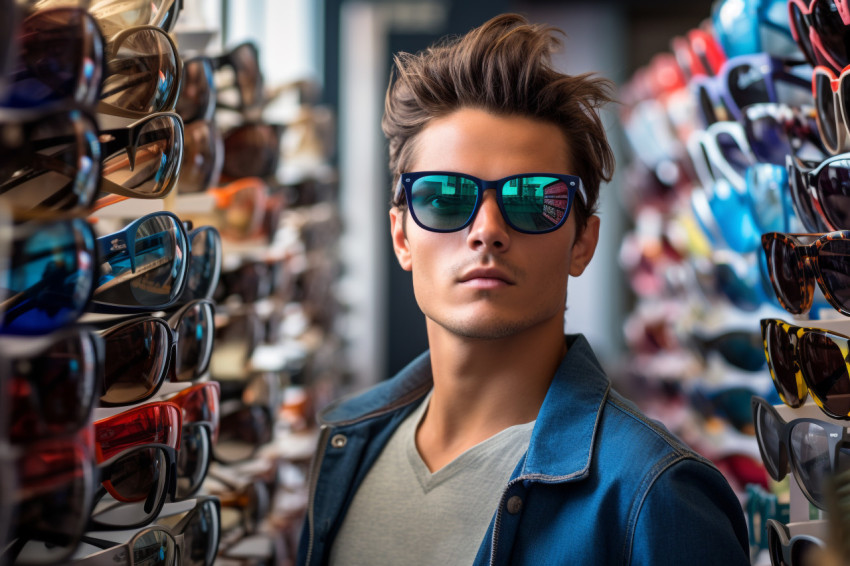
<point x="794" y="267"/>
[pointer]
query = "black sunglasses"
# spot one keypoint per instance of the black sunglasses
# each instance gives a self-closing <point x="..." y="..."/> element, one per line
<point x="826" y="186"/>
<point x="812" y="449"/>
<point x="242" y="432"/>
<point x="59" y="57"/>
<point x="531" y="203"/>
<point x="53" y="382"/>
<point x="785" y="550"/>
<point x="143" y="352"/>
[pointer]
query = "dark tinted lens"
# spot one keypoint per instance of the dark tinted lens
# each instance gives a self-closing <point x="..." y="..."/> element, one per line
<point x="242" y="432"/>
<point x="248" y="76"/>
<point x="49" y="280"/>
<point x="136" y="475"/>
<point x="202" y="157"/>
<point x="54" y="494"/>
<point x="738" y="290"/>
<point x="196" y="100"/>
<point x="202" y="536"/>
<point x="52" y="393"/>
<point x="803" y="202"/>
<point x="834" y="35"/>
<point x="204" y="265"/>
<point x="781" y="351"/>
<point x="60" y="58"/>
<point x="823" y="365"/>
<point x="157" y="154"/>
<point x="833" y="188"/>
<point x="732" y="153"/>
<point x="798" y="21"/>
<point x="805" y="553"/>
<point x="786" y="274"/>
<point x="135" y="361"/>
<point x="747" y="85"/>
<point x="143" y="73"/>
<point x="443" y="202"/>
<point x="536" y="204"/>
<point x="767" y="433"/>
<point x="154" y="548"/>
<point x="825" y="105"/>
<point x="834" y="264"/>
<point x="193" y="459"/>
<point x="252" y="150"/>
<point x="195" y="333"/>
<point x="768" y="140"/>
<point x="810" y="455"/>
<point x="53" y="163"/>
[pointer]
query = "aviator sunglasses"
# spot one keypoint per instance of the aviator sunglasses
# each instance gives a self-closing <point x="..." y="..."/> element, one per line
<point x="531" y="203"/>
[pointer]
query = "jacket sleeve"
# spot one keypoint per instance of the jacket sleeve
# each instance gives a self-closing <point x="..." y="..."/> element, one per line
<point x="690" y="515"/>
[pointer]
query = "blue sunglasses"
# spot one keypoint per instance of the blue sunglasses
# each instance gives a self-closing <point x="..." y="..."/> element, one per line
<point x="142" y="267"/>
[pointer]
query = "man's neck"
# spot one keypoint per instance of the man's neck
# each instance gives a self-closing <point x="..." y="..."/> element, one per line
<point x="482" y="387"/>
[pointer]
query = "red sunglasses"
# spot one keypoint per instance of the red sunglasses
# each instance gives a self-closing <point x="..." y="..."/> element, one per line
<point x="698" y="53"/>
<point x="151" y="423"/>
<point x="821" y="32"/>
<point x="200" y="405"/>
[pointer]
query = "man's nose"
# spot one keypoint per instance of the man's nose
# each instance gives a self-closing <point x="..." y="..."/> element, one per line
<point x="489" y="228"/>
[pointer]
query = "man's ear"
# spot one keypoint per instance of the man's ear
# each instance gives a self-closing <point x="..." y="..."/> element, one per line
<point x="585" y="246"/>
<point x="401" y="246"/>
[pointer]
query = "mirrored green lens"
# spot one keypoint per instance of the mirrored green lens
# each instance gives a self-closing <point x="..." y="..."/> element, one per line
<point x="535" y="204"/>
<point x="443" y="202"/>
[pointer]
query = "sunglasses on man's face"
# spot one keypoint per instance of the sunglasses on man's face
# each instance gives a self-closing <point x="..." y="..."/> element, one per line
<point x="531" y="203"/>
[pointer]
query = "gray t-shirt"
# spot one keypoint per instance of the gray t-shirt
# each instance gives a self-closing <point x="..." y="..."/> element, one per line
<point x="404" y="514"/>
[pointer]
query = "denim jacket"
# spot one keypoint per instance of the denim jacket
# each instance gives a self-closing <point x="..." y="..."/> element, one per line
<point x="599" y="484"/>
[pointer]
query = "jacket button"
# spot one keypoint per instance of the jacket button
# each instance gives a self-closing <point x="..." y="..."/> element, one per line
<point x="339" y="441"/>
<point x="514" y="504"/>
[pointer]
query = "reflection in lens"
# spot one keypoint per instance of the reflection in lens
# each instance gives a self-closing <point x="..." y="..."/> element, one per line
<point x="825" y="105"/>
<point x="833" y="188"/>
<point x="197" y="91"/>
<point x="51" y="164"/>
<point x="810" y="455"/>
<point x="49" y="279"/>
<point x="202" y="157"/>
<point x="194" y="342"/>
<point x="767" y="187"/>
<point x="536" y="204"/>
<point x="834" y="265"/>
<point x="204" y="265"/>
<point x="152" y="167"/>
<point x="154" y="548"/>
<point x="132" y="477"/>
<point x="114" y="16"/>
<point x="251" y="150"/>
<point x="143" y="73"/>
<point x="822" y="362"/>
<point x="787" y="275"/>
<point x="193" y="459"/>
<point x="52" y="393"/>
<point x="60" y="57"/>
<point x="202" y="535"/>
<point x="135" y="361"/>
<point x="443" y="202"/>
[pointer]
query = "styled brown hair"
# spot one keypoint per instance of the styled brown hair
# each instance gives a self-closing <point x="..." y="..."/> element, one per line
<point x="503" y="67"/>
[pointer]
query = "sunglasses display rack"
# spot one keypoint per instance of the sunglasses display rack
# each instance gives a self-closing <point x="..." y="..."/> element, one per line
<point x="739" y="260"/>
<point x="167" y="301"/>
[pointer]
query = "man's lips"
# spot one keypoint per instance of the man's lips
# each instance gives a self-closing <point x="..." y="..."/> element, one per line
<point x="490" y="275"/>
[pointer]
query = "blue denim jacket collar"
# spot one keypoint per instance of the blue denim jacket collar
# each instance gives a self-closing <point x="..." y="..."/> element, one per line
<point x="561" y="445"/>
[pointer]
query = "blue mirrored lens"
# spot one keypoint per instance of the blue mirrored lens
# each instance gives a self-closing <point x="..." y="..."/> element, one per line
<point x="49" y="279"/>
<point x="769" y="197"/>
<point x="733" y="217"/>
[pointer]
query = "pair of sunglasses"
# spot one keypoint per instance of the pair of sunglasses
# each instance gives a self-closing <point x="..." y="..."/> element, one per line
<point x="798" y="550"/>
<point x="803" y="192"/>
<point x="531" y="203"/>
<point x="185" y="537"/>
<point x="822" y="30"/>
<point x="251" y="150"/>
<point x="61" y="160"/>
<point x="794" y="267"/>
<point x="746" y="80"/>
<point x="741" y="348"/>
<point x="238" y="74"/>
<point x="775" y="130"/>
<point x="807" y="360"/>
<point x="814" y="450"/>
<point x="144" y="352"/>
<point x="824" y="191"/>
<point x="53" y="382"/>
<point x="201" y="414"/>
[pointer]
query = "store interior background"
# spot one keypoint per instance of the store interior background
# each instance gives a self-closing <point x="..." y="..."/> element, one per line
<point x="346" y="47"/>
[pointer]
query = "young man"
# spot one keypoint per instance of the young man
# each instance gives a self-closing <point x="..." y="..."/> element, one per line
<point x="504" y="444"/>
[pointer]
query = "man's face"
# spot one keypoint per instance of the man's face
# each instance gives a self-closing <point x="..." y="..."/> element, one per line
<point x="489" y="281"/>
